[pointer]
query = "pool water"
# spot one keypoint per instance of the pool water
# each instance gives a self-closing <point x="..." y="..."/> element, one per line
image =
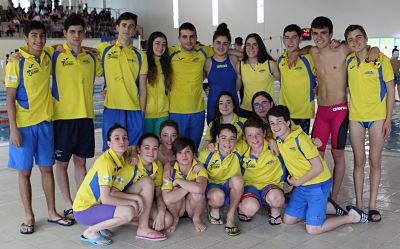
<point x="391" y="144"/>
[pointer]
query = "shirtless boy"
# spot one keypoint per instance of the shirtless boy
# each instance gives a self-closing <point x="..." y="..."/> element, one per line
<point x="332" y="114"/>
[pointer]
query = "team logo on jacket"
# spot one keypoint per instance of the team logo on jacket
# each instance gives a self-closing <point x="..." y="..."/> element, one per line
<point x="369" y="72"/>
<point x="215" y="164"/>
<point x="112" y="55"/>
<point x="195" y="59"/>
<point x="66" y="62"/>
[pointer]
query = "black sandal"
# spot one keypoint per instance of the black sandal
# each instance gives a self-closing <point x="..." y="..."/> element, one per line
<point x="339" y="210"/>
<point x="372" y="213"/>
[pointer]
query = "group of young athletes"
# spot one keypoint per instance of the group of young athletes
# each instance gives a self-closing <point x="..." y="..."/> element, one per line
<point x="152" y="172"/>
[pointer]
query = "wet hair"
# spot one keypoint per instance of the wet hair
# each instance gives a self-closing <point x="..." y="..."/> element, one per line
<point x="72" y="20"/>
<point x="321" y="22"/>
<point x="279" y="111"/>
<point x="127" y="16"/>
<point x="145" y="136"/>
<point x="182" y="142"/>
<point x="29" y="26"/>
<point x="353" y="27"/>
<point x="230" y="127"/>
<point x="292" y="28"/>
<point x="164" y="61"/>
<point x="263" y="54"/>
<point x="254" y="122"/>
<point x="113" y="128"/>
<point x="217" y="115"/>
<point x="260" y="93"/>
<point x="239" y="41"/>
<point x="188" y="26"/>
<point x="222" y="30"/>
<point x="170" y="123"/>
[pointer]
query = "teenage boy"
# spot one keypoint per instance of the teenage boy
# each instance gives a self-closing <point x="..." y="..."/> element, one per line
<point x="125" y="75"/>
<point x="373" y="113"/>
<point x="186" y="100"/>
<point x="297" y="83"/>
<point x="263" y="175"/>
<point x="31" y="132"/>
<point x="225" y="182"/>
<point x="73" y="107"/>
<point x="332" y="115"/>
<point x="310" y="175"/>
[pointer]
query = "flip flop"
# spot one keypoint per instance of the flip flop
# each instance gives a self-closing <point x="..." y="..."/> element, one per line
<point x="96" y="240"/>
<point x="212" y="219"/>
<point x="339" y="210"/>
<point x="371" y="213"/>
<point x="26" y="229"/>
<point x="59" y="222"/>
<point x="159" y="237"/>
<point x="363" y="215"/>
<point x="274" y="221"/>
<point x="232" y="231"/>
<point x="69" y="214"/>
<point x="243" y="217"/>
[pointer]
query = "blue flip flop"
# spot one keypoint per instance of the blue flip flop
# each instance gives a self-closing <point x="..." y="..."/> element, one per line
<point x="96" y="240"/>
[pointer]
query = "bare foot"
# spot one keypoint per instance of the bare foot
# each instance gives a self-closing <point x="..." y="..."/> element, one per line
<point x="174" y="225"/>
<point x="230" y="221"/>
<point x="198" y="225"/>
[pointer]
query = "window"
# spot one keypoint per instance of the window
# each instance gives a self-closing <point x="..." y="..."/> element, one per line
<point x="260" y="11"/>
<point x="24" y="4"/>
<point x="175" y="10"/>
<point x="215" y="12"/>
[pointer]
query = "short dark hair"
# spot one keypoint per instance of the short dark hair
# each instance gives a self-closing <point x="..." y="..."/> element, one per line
<point x="182" y="142"/>
<point x="127" y="16"/>
<point x="222" y="30"/>
<point x="188" y="26"/>
<point x="239" y="41"/>
<point x="171" y="123"/>
<point x="74" y="19"/>
<point x="29" y="26"/>
<point x="230" y="127"/>
<point x="353" y="27"/>
<point x="279" y="111"/>
<point x="113" y="128"/>
<point x="321" y="22"/>
<point x="147" y="135"/>
<point x="291" y="28"/>
<point x="254" y="122"/>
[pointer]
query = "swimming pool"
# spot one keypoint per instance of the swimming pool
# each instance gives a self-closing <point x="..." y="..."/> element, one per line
<point x="98" y="110"/>
<point x="391" y="144"/>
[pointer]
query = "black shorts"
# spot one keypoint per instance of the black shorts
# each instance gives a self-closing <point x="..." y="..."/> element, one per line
<point x="73" y="137"/>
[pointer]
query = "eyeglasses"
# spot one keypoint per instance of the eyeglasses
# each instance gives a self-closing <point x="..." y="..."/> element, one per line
<point x="254" y="45"/>
<point x="260" y="105"/>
